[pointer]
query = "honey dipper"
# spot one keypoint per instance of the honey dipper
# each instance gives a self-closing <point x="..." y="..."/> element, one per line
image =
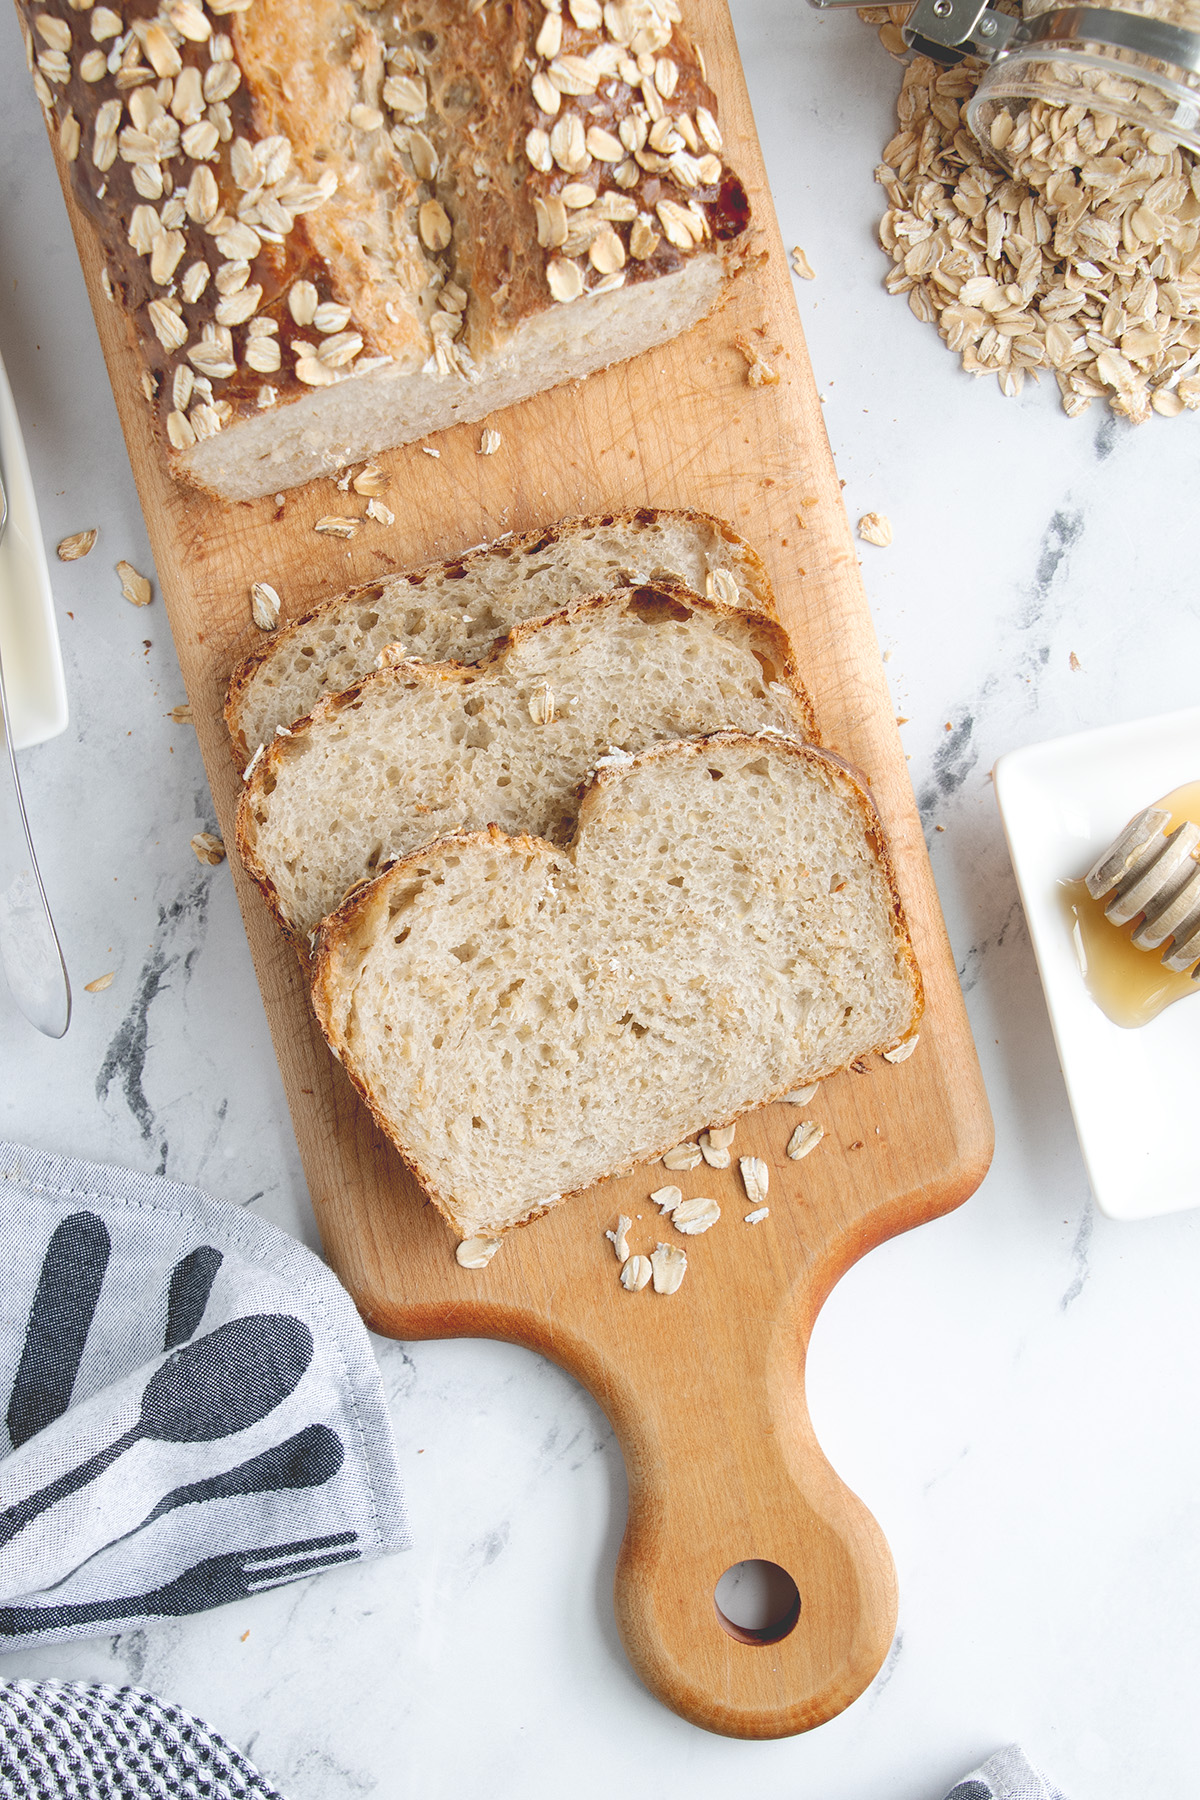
<point x="1156" y="873"/>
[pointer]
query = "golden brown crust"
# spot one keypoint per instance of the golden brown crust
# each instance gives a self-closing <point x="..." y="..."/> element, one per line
<point x="773" y="642"/>
<point x="528" y="543"/>
<point x="402" y="168"/>
<point x="338" y="934"/>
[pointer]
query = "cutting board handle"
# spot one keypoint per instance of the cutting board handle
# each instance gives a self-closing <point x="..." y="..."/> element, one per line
<point x="724" y="1469"/>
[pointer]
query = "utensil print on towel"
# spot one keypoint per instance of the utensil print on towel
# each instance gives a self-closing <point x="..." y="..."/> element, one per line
<point x="59" y="1321"/>
<point x="187" y="1295"/>
<point x="64" y="1306"/>
<point x="210" y="1388"/>
<point x="309" y="1458"/>
<point x="212" y="1582"/>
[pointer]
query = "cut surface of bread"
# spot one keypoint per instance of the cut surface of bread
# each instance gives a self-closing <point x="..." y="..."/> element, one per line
<point x="524" y="1020"/>
<point x="334" y="227"/>
<point x="452" y="611"/>
<point x="416" y="750"/>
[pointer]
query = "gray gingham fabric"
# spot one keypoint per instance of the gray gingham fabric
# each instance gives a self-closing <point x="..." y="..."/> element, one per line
<point x="191" y="1408"/>
<point x="77" y="1740"/>
<point x="1009" y="1775"/>
<point x="84" y="1741"/>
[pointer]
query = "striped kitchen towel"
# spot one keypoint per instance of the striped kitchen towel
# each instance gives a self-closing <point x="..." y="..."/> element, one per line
<point x="192" y="1412"/>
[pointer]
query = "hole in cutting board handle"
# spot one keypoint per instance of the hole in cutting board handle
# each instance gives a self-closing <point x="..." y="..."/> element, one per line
<point x="757" y="1602"/>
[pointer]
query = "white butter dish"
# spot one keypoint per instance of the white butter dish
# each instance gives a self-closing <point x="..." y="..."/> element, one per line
<point x="33" y="670"/>
<point x="1133" y="1092"/>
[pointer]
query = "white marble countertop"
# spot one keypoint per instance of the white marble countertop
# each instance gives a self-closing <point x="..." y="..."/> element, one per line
<point x="1013" y="1390"/>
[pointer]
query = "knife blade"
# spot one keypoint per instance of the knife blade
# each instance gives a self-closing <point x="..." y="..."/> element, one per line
<point x="29" y="946"/>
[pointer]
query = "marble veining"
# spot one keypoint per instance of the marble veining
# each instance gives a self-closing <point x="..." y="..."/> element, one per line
<point x="1003" y="1387"/>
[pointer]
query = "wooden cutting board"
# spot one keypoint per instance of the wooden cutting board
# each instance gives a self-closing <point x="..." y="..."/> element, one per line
<point x="705" y="1387"/>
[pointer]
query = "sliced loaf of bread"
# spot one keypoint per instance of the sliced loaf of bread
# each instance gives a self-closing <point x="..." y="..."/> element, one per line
<point x="416" y="750"/>
<point x="524" y="1020"/>
<point x="453" y="611"/>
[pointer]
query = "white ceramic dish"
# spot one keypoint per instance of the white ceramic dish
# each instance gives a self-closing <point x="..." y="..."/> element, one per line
<point x="33" y="670"/>
<point x="1133" y="1092"/>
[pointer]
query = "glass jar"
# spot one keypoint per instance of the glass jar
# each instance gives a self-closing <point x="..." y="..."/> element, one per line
<point x="1139" y="61"/>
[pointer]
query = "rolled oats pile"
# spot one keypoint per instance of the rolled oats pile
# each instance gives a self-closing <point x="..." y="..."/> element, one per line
<point x="1084" y="260"/>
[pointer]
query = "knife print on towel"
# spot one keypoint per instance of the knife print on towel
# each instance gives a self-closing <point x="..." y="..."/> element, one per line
<point x="193" y="1408"/>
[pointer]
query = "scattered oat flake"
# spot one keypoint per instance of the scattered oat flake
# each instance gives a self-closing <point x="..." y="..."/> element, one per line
<point x="334" y="526"/>
<point x="430" y="451"/>
<point x="208" y="849"/>
<point x="757" y="1216"/>
<point x="802" y="1095"/>
<point x="759" y="372"/>
<point x="382" y="515"/>
<point x="618" y="1237"/>
<point x="721" y="1136"/>
<point x="476" y="1252"/>
<point x="1075" y="662"/>
<point x="699" y="1213"/>
<point x="371" y="481"/>
<point x="636" y="1274"/>
<point x="135" y="587"/>
<point x="669" y="1266"/>
<point x="714" y="1154"/>
<point x="875" y="528"/>
<point x="756" y="1177"/>
<point x="901" y="1052"/>
<point x="77" y="545"/>
<point x="264" y="605"/>
<point x="801" y="265"/>
<point x="182" y="715"/>
<point x="489" y="443"/>
<point x="806" y="1137"/>
<point x="683" y="1157"/>
<point x="101" y="982"/>
<point x="667" y="1198"/>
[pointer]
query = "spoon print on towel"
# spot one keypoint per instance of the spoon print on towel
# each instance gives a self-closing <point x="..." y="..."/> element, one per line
<point x="208" y="1389"/>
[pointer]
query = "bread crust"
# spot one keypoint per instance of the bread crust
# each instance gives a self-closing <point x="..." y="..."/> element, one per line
<point x="337" y="935"/>
<point x="529" y="543"/>
<point x="403" y="165"/>
<point x="772" y="639"/>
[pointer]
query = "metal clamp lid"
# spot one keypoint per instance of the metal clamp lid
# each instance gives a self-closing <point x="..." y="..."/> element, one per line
<point x="948" y="30"/>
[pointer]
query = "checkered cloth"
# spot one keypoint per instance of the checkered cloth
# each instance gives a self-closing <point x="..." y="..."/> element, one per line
<point x="84" y="1741"/>
<point x="1009" y="1775"/>
<point x="78" y="1740"/>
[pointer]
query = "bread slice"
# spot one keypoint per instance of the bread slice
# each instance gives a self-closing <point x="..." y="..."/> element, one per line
<point x="417" y="749"/>
<point x="524" y="1020"/>
<point x="453" y="611"/>
<point x="336" y="226"/>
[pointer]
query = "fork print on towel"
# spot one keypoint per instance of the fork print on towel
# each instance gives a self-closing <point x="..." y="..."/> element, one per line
<point x="207" y="1398"/>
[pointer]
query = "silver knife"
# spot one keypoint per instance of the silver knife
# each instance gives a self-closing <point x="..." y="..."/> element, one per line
<point x="29" y="947"/>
